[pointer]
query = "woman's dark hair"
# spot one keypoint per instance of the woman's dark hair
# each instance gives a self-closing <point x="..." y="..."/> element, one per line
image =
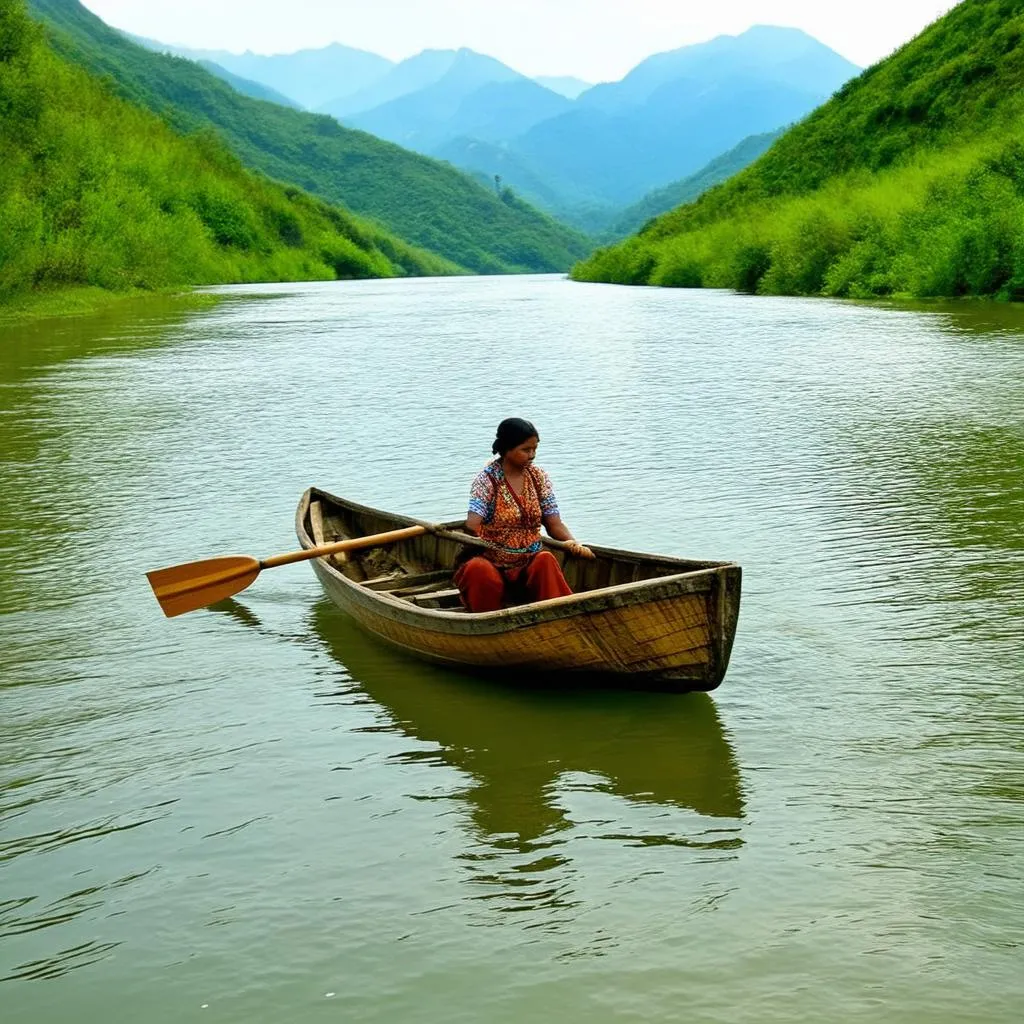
<point x="512" y="433"/>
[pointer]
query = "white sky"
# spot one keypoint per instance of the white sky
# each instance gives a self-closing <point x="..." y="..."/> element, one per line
<point x="597" y="40"/>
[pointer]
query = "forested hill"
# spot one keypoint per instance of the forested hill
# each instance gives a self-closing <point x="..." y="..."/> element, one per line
<point x="909" y="181"/>
<point x="95" y="191"/>
<point x="661" y="200"/>
<point x="424" y="201"/>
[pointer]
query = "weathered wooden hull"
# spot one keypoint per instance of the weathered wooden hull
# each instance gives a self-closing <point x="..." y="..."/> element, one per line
<point x="634" y="618"/>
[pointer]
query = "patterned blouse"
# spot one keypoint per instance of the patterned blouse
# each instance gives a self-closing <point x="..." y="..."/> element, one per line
<point x="512" y="522"/>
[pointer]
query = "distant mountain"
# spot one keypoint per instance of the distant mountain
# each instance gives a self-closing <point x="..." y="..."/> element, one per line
<point x="564" y="85"/>
<point x="423" y="201"/>
<point x="562" y="198"/>
<point x="247" y="88"/>
<point x="585" y="160"/>
<point x="687" y="189"/>
<point x="432" y="114"/>
<point x="572" y="204"/>
<point x="503" y="110"/>
<point x="309" y="77"/>
<point x="768" y="53"/>
<point x="408" y="76"/>
<point x="477" y="98"/>
<point x="620" y="158"/>
<point x="678" y="110"/>
<point x="908" y="182"/>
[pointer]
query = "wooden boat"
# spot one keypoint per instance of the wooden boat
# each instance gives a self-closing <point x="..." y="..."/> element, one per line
<point x="636" y="619"/>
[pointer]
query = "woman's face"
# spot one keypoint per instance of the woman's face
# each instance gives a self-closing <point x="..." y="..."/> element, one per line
<point x="522" y="455"/>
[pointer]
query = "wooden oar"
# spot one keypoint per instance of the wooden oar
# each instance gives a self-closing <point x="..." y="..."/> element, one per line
<point x="477" y="542"/>
<point x="184" y="588"/>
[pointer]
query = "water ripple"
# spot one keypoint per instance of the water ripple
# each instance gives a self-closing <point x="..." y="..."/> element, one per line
<point x="257" y="805"/>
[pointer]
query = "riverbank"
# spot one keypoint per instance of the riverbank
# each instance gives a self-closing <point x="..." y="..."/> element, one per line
<point x="29" y="307"/>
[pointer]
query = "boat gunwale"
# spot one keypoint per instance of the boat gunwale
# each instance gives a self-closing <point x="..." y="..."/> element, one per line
<point x="588" y="602"/>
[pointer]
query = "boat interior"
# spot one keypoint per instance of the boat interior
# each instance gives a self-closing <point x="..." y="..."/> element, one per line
<point x="420" y="569"/>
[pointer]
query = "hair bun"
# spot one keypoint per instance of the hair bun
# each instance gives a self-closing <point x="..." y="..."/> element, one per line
<point x="511" y="433"/>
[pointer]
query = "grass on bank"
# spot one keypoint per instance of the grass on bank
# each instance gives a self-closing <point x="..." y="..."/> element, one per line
<point x="947" y="224"/>
<point x="27" y="307"/>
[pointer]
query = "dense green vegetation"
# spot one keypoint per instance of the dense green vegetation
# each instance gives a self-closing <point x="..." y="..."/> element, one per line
<point x="96" y="192"/>
<point x="909" y="181"/>
<point x="422" y="200"/>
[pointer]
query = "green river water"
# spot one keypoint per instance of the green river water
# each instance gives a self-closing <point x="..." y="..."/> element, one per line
<point x="255" y="813"/>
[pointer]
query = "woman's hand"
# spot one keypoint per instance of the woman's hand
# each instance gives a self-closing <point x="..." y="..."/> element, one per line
<point x="579" y="550"/>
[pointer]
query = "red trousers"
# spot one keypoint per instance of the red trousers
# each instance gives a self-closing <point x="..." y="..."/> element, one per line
<point x="483" y="586"/>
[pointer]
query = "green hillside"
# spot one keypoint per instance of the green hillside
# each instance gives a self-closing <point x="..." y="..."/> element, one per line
<point x="561" y="197"/>
<point x="96" y="192"/>
<point x="910" y="181"/>
<point x="422" y="200"/>
<point x="662" y="200"/>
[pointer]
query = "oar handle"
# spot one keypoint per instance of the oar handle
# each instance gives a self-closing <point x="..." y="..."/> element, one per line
<point x="478" y="542"/>
<point x="344" y="545"/>
<point x="373" y="541"/>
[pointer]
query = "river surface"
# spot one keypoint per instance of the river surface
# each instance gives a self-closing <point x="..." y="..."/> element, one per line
<point x="257" y="814"/>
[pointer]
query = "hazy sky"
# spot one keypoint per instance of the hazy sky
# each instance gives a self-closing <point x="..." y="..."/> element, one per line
<point x="598" y="40"/>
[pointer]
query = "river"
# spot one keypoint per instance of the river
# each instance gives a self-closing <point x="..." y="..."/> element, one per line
<point x="257" y="814"/>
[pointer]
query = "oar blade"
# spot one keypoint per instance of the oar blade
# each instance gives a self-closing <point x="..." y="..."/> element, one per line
<point x="184" y="588"/>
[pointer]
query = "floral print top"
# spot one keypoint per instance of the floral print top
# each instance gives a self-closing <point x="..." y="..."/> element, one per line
<point x="512" y="521"/>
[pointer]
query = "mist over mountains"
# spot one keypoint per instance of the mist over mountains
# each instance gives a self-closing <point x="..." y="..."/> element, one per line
<point x="583" y="153"/>
<point x="309" y="78"/>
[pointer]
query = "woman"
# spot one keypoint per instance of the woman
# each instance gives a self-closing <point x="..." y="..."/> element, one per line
<point x="508" y="503"/>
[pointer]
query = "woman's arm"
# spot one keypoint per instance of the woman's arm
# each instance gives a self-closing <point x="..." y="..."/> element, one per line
<point x="482" y="497"/>
<point x="557" y="529"/>
<point x="552" y="518"/>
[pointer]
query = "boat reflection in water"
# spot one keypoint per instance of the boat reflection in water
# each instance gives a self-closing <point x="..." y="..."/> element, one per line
<point x="547" y="770"/>
<point x="541" y="763"/>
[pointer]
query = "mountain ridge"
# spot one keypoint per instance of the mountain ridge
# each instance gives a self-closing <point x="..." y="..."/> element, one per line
<point x="665" y="120"/>
<point x="477" y="97"/>
<point x="247" y="87"/>
<point x="407" y="76"/>
<point x="299" y="75"/>
<point x="418" y="119"/>
<point x="568" y="86"/>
